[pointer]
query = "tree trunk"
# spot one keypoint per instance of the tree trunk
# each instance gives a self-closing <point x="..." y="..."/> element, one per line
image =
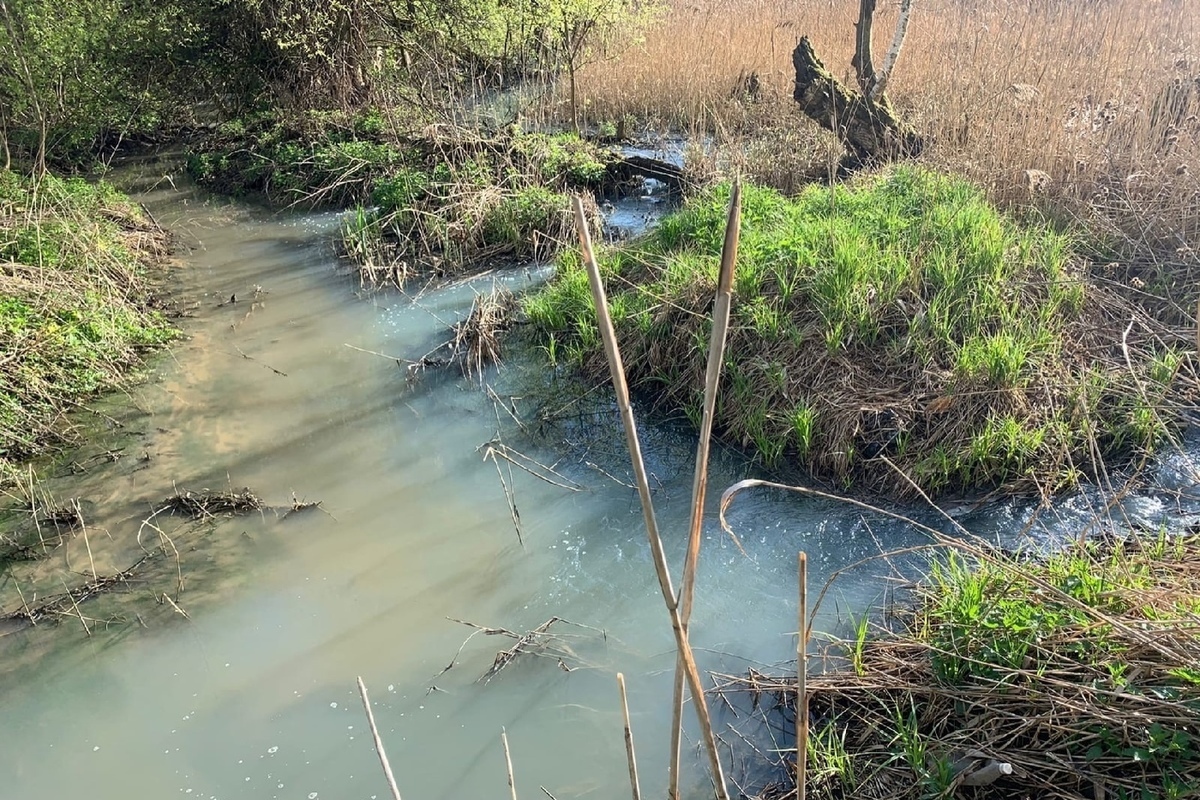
<point x="870" y="131"/>
<point x="574" y="96"/>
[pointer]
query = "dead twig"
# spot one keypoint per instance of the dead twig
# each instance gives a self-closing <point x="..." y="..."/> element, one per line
<point x="383" y="759"/>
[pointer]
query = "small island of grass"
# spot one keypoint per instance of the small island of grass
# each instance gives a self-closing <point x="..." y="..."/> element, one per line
<point x="899" y="325"/>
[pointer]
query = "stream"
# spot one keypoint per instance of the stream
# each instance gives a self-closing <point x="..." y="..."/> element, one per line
<point x="253" y="695"/>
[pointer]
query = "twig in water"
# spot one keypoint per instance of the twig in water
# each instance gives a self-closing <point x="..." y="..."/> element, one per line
<point x="497" y="448"/>
<point x="28" y="614"/>
<point x="86" y="543"/>
<point x="629" y="752"/>
<point x="510" y="496"/>
<point x="512" y="412"/>
<point x="75" y="605"/>
<point x="383" y="759"/>
<point x="512" y="787"/>
<point x="537" y="642"/>
<point x="167" y="598"/>
<point x="60" y="604"/>
<point x="260" y="363"/>
<point x="454" y="661"/>
<point x="608" y="475"/>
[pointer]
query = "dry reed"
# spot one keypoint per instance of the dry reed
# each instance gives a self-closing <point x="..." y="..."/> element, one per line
<point x="1097" y="100"/>
<point x="712" y="380"/>
<point x="617" y="372"/>
<point x="478" y="338"/>
<point x="1104" y="707"/>
<point x="383" y="759"/>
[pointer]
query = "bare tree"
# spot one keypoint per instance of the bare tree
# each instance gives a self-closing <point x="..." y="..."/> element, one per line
<point x="864" y="120"/>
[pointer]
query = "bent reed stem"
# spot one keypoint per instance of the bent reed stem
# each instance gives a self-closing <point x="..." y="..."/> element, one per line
<point x="621" y="387"/>
<point x="712" y="379"/>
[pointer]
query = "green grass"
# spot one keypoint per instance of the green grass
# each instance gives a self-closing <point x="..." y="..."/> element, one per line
<point x="73" y="304"/>
<point x="901" y="315"/>
<point x="828" y="759"/>
<point x="440" y="204"/>
<point x="1077" y="668"/>
<point x="314" y="160"/>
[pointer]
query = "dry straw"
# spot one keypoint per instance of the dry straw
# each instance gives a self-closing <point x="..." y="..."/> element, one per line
<point x="1104" y="707"/>
<point x="712" y="379"/>
<point x="1100" y="97"/>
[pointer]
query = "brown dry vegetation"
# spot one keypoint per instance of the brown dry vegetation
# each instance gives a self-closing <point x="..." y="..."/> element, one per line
<point x="1076" y="672"/>
<point x="1098" y="98"/>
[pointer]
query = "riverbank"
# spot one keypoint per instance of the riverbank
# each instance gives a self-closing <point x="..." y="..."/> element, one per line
<point x="892" y="333"/>
<point x="1067" y="676"/>
<point x="80" y="270"/>
<point x="895" y="331"/>
<point x="434" y="203"/>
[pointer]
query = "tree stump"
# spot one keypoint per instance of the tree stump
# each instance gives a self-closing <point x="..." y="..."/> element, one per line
<point x="870" y="130"/>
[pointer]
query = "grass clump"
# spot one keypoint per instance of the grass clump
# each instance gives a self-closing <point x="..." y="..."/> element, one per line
<point x="1076" y="671"/>
<point x="314" y="159"/>
<point x="435" y="201"/>
<point x="75" y="307"/>
<point x="471" y="200"/>
<point x="901" y="316"/>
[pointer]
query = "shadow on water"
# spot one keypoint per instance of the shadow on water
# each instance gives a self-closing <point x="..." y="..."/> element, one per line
<point x="253" y="696"/>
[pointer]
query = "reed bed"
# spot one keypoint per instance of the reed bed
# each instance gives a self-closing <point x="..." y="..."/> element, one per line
<point x="1072" y="676"/>
<point x="1087" y="110"/>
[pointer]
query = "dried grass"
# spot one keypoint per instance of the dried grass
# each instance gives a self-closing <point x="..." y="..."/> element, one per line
<point x="1103" y="701"/>
<point x="471" y="200"/>
<point x="477" y="339"/>
<point x="206" y="504"/>
<point x="1100" y="98"/>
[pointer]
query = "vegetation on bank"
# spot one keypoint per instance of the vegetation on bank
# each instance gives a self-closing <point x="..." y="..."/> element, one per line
<point x="91" y="75"/>
<point x="898" y="324"/>
<point x="1071" y="676"/>
<point x="436" y="202"/>
<point x="76" y="304"/>
<point x="358" y="104"/>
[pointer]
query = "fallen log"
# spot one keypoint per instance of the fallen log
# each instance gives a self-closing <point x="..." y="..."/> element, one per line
<point x="623" y="169"/>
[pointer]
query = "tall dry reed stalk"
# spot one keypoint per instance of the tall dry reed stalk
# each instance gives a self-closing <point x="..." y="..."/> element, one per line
<point x="1087" y="108"/>
<point x="712" y="380"/>
<point x="662" y="571"/>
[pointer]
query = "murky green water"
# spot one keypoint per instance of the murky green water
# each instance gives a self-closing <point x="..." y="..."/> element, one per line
<point x="254" y="695"/>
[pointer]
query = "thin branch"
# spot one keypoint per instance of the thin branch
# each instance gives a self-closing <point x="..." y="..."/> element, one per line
<point x="383" y="759"/>
<point x="893" y="53"/>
